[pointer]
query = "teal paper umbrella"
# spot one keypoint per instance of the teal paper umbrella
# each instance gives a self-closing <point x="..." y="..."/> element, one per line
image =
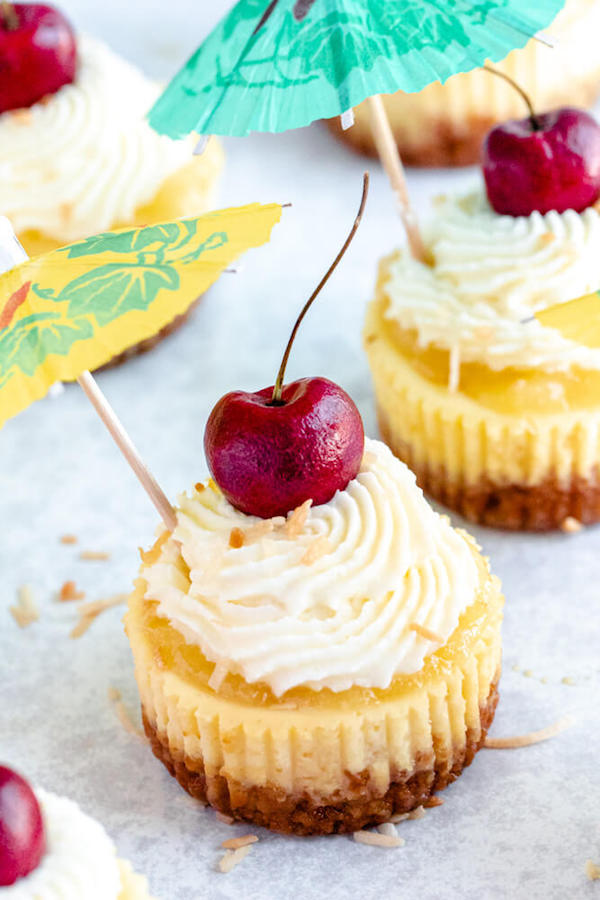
<point x="272" y="66"/>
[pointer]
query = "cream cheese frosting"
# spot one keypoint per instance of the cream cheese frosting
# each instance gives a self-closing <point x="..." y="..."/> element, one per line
<point x="80" y="860"/>
<point x="325" y="599"/>
<point x="490" y="274"/>
<point x="85" y="159"/>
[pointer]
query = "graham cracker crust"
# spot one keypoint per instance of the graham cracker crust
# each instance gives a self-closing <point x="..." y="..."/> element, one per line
<point x="149" y="343"/>
<point x="515" y="507"/>
<point x="442" y="145"/>
<point x="354" y="807"/>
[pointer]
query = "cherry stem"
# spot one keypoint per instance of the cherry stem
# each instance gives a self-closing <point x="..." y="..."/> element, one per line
<point x="276" y="398"/>
<point x="9" y="14"/>
<point x="532" y="116"/>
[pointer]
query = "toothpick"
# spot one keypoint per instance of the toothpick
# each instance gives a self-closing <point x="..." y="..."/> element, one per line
<point x="127" y="448"/>
<point x="390" y="159"/>
<point x="12" y="254"/>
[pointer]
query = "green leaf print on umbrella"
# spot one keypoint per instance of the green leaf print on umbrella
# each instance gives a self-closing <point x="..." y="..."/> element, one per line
<point x="35" y="337"/>
<point x="281" y="65"/>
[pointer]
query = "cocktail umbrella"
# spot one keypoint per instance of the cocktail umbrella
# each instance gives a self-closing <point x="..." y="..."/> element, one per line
<point x="578" y="320"/>
<point x="272" y="65"/>
<point x="73" y="309"/>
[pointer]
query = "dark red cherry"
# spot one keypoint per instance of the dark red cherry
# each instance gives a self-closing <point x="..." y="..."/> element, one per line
<point x="270" y="458"/>
<point x="273" y="450"/>
<point x="38" y="53"/>
<point x="22" y="839"/>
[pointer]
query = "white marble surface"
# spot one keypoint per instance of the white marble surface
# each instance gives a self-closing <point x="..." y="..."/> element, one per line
<point x="517" y="824"/>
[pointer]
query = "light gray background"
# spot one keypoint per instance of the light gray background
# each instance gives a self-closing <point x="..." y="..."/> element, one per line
<point x="518" y="823"/>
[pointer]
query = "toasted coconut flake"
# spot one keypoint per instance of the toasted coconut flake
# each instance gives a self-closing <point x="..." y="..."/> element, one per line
<point x="237" y="842"/>
<point x="532" y="737"/>
<point x="25" y="611"/>
<point x="454" y="369"/>
<point x="149" y="557"/>
<point x="387" y="828"/>
<point x="22" y="116"/>
<point x="68" y="539"/>
<point x="297" y="519"/>
<point x="592" y="870"/>
<point x="236" y="538"/>
<point x="226" y="820"/>
<point x="259" y="530"/>
<point x="90" y="611"/>
<point x="99" y="555"/>
<point x="433" y="801"/>
<point x="417" y="813"/>
<point x="377" y="840"/>
<point x="426" y="633"/>
<point x="69" y="592"/>
<point x="316" y="549"/>
<point x="199" y="487"/>
<point x="571" y="525"/>
<point x="114" y="695"/>
<point x="232" y="858"/>
<point x="218" y="676"/>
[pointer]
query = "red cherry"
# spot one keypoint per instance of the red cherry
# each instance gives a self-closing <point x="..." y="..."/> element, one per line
<point x="271" y="451"/>
<point x="269" y="458"/>
<point x="545" y="162"/>
<point x="38" y="53"/>
<point x="22" y="839"/>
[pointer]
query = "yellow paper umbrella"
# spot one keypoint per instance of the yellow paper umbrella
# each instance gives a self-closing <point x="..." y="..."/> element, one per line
<point x="578" y="320"/>
<point x="75" y="308"/>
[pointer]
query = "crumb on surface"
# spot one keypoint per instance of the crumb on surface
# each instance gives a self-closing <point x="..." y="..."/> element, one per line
<point x="114" y="696"/>
<point x="237" y="842"/>
<point x="199" y="487"/>
<point x="68" y="539"/>
<point x="567" y="680"/>
<point x="592" y="870"/>
<point x="25" y="611"/>
<point x="376" y="839"/>
<point x="69" y="592"/>
<point x="88" y="612"/>
<point x="571" y="525"/>
<point x="226" y="820"/>
<point x="232" y="858"/>
<point x="94" y="555"/>
<point x="532" y="737"/>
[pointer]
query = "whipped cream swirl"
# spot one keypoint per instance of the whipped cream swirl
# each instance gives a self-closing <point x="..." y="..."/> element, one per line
<point x="328" y="602"/>
<point x="490" y="274"/>
<point x="85" y="159"/>
<point x="80" y="860"/>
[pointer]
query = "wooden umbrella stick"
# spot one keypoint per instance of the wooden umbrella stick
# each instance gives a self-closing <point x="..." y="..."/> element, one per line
<point x="390" y="159"/>
<point x="127" y="448"/>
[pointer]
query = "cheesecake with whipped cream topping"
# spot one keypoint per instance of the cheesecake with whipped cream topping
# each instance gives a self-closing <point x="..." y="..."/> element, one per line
<point x="323" y="671"/>
<point x="497" y="414"/>
<point x="85" y="160"/>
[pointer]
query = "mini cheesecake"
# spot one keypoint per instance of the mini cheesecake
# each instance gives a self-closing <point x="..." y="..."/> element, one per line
<point x="498" y="415"/>
<point x="445" y="124"/>
<point x="320" y="672"/>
